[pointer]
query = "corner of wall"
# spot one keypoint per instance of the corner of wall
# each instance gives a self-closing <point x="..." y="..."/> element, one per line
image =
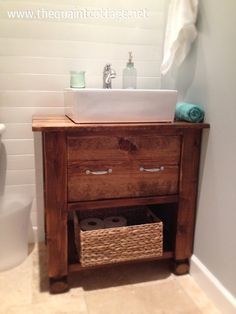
<point x="214" y="289"/>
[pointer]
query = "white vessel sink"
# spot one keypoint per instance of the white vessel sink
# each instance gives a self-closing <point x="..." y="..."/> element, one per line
<point x="120" y="105"/>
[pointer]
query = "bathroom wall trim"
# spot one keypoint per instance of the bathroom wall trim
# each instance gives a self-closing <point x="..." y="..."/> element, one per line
<point x="214" y="289"/>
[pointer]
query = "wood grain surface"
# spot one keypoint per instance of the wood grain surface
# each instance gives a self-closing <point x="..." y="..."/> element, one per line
<point x="162" y="149"/>
<point x="55" y="187"/>
<point x="62" y="123"/>
<point x="187" y="194"/>
<point x="126" y="180"/>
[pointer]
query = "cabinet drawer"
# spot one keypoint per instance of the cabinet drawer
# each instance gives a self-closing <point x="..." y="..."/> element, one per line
<point x="109" y="180"/>
<point x="159" y="148"/>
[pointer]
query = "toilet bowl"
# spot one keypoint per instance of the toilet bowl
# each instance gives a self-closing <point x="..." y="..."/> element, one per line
<point x="14" y="225"/>
<point x="2" y="129"/>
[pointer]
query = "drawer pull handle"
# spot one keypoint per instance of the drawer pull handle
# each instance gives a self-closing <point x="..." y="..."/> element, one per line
<point x="152" y="169"/>
<point x="100" y="172"/>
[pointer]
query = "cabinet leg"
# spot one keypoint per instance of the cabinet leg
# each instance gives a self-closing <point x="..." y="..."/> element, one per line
<point x="58" y="285"/>
<point x="181" y="267"/>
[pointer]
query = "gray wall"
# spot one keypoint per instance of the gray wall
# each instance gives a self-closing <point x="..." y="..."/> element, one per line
<point x="208" y="77"/>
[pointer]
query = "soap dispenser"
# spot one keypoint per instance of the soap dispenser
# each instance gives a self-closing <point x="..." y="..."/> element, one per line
<point x="130" y="74"/>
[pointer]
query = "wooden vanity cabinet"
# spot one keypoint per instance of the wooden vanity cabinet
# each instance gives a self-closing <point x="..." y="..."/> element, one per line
<point x="116" y="165"/>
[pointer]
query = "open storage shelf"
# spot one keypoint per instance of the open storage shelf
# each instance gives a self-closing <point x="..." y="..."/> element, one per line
<point x="166" y="212"/>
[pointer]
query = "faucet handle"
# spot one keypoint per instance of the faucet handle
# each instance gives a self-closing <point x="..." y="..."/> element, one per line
<point x="107" y="67"/>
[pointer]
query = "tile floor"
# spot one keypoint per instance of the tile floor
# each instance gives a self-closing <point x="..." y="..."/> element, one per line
<point x="147" y="288"/>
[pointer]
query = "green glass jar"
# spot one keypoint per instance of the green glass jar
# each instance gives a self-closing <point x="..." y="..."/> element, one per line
<point x="77" y="79"/>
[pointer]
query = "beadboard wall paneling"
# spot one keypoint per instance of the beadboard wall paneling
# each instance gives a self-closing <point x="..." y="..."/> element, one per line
<point x="150" y="5"/>
<point x="37" y="99"/>
<point x="20" y="162"/>
<point x="36" y="57"/>
<point x="18" y="146"/>
<point x="21" y="81"/>
<point x="77" y="49"/>
<point x="17" y="130"/>
<point x="24" y="114"/>
<point x="82" y="32"/>
<point x="153" y="21"/>
<point x="23" y="188"/>
<point x="62" y="66"/>
<point x="20" y="177"/>
<point x="50" y="82"/>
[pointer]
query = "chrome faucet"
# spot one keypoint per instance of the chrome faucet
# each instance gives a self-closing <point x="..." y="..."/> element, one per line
<point x="108" y="74"/>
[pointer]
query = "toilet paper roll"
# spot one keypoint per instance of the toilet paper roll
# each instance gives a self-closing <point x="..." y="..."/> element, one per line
<point x="115" y="221"/>
<point x="91" y="224"/>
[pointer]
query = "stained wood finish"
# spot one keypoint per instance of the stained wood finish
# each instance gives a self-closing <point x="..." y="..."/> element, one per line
<point x="77" y="267"/>
<point x="181" y="267"/>
<point x="165" y="149"/>
<point x="58" y="285"/>
<point x="126" y="180"/>
<point x="62" y="123"/>
<point x="122" y="202"/>
<point x="124" y="148"/>
<point x="187" y="193"/>
<point x="55" y="186"/>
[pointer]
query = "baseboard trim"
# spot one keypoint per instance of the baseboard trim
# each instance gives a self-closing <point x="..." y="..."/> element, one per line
<point x="214" y="289"/>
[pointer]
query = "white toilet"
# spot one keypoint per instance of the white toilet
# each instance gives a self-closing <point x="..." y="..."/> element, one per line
<point x="14" y="224"/>
<point x="2" y="129"/>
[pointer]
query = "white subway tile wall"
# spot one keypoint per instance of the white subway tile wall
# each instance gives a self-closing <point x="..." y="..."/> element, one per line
<point x="36" y="57"/>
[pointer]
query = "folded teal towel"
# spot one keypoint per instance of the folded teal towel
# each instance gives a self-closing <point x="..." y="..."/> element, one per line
<point x="189" y="112"/>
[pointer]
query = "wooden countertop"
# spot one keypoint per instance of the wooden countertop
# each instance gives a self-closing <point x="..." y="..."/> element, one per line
<point x="62" y="123"/>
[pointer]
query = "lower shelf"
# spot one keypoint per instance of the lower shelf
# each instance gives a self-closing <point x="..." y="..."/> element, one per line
<point x="75" y="267"/>
<point x="167" y="214"/>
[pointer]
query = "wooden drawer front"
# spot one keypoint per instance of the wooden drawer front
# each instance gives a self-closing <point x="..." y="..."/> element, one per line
<point x="125" y="180"/>
<point x="159" y="148"/>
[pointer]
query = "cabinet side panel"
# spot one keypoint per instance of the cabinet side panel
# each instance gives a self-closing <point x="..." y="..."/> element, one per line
<point x="55" y="185"/>
<point x="187" y="193"/>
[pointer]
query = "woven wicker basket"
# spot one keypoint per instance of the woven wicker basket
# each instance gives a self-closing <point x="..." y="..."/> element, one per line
<point x="141" y="238"/>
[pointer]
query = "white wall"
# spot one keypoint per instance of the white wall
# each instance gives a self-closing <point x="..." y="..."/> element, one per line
<point x="208" y="77"/>
<point x="35" y="60"/>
